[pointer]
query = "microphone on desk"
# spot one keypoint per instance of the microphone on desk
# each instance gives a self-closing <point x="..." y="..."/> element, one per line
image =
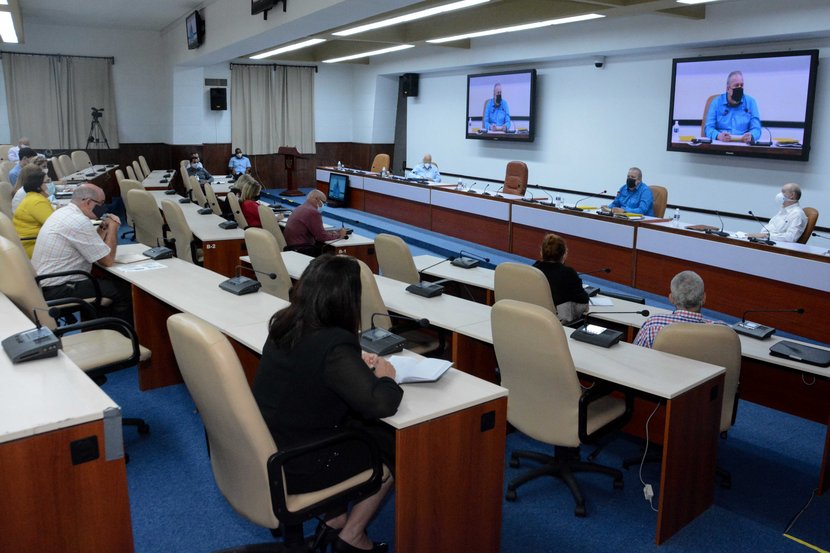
<point x="494" y="193"/>
<point x="576" y="204"/>
<point x="382" y="342"/>
<point x="424" y="323"/>
<point x="766" y="241"/>
<point x="468" y="261"/>
<point x="53" y="312"/>
<point x="598" y="335"/>
<point x="484" y="191"/>
<point x="759" y="331"/>
<point x="428" y="289"/>
<point x="240" y="285"/>
<point x="717" y="232"/>
<point x="35" y="343"/>
<point x="817" y="235"/>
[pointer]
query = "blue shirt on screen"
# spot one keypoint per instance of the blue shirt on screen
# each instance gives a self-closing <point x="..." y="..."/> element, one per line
<point x="736" y="120"/>
<point x="430" y="173"/>
<point x="496" y="115"/>
<point x="640" y="200"/>
<point x="239" y="165"/>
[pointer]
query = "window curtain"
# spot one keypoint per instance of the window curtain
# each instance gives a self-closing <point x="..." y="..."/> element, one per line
<point x="50" y="99"/>
<point x="272" y="106"/>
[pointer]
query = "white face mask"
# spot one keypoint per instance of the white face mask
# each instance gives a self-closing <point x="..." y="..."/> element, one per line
<point x="239" y="156"/>
<point x="196" y="165"/>
<point x="780" y="199"/>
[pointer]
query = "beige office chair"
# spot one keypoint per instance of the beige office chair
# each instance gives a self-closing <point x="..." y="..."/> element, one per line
<point x="4" y="151"/>
<point x="236" y="209"/>
<point x="66" y="165"/>
<point x="185" y="177"/>
<point x="271" y="222"/>
<point x="196" y="191"/>
<point x="5" y="169"/>
<point x="380" y="161"/>
<point x="418" y="339"/>
<point x="80" y="160"/>
<point x="6" y="194"/>
<point x="812" y="219"/>
<point x="131" y="173"/>
<point x="119" y="176"/>
<point x="517" y="281"/>
<point x="56" y="167"/>
<point x="138" y="172"/>
<point x="245" y="460"/>
<point x="186" y="246"/>
<point x="8" y="232"/>
<point x="145" y="168"/>
<point x="395" y="260"/>
<point x="515" y="178"/>
<point x="102" y="346"/>
<point x="709" y="101"/>
<point x="125" y="185"/>
<point x="147" y="221"/>
<point x="661" y="198"/>
<point x="265" y="255"/>
<point x="212" y="201"/>
<point x="546" y="401"/>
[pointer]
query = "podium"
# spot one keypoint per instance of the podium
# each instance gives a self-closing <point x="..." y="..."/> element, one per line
<point x="290" y="153"/>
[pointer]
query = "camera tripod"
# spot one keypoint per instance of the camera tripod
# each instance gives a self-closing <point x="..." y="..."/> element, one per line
<point x="96" y="133"/>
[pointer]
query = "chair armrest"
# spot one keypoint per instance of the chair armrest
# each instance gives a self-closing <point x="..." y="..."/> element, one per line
<point x="80" y="303"/>
<point x="276" y="477"/>
<point x="111" y="323"/>
<point x="598" y="391"/>
<point x="84" y="274"/>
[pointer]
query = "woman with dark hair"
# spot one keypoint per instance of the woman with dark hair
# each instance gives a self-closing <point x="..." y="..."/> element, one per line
<point x="313" y="380"/>
<point x="569" y="296"/>
<point x="34" y="208"/>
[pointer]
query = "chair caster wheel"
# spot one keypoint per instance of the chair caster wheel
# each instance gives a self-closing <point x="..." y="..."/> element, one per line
<point x="514" y="463"/>
<point x="511" y="495"/>
<point x="618" y="484"/>
<point x="144" y="429"/>
<point x="580" y="511"/>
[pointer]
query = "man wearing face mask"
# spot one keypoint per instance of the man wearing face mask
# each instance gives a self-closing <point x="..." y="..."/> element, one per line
<point x="789" y="223"/>
<point x="634" y="196"/>
<point x="496" y="112"/>
<point x="196" y="169"/>
<point x="427" y="170"/>
<point x="304" y="230"/>
<point x="733" y="116"/>
<point x="68" y="241"/>
<point x="239" y="164"/>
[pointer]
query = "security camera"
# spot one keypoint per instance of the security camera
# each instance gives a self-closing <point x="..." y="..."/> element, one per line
<point x="599" y="62"/>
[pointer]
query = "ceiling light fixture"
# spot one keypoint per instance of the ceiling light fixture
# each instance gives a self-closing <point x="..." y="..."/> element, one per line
<point x="515" y="28"/>
<point x="695" y="1"/>
<point x="290" y="48"/>
<point x="410" y="17"/>
<point x="7" y="32"/>
<point x="372" y="53"/>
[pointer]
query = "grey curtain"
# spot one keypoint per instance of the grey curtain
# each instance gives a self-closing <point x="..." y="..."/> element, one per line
<point x="50" y="99"/>
<point x="272" y="106"/>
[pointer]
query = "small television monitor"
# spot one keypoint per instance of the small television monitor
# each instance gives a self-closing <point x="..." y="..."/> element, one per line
<point x="338" y="189"/>
<point x="195" y="27"/>
<point x="753" y="105"/>
<point x="501" y="106"/>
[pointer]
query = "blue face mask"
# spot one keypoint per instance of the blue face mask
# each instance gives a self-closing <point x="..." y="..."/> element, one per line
<point x="50" y="189"/>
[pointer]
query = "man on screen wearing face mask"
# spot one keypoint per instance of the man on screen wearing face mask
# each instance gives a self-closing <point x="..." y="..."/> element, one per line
<point x="427" y="170"/>
<point x="68" y="241"/>
<point x="733" y="116"/>
<point x="634" y="196"/>
<point x="496" y="112"/>
<point x="788" y="224"/>
<point x="196" y="169"/>
<point x="304" y="231"/>
<point x="239" y="164"/>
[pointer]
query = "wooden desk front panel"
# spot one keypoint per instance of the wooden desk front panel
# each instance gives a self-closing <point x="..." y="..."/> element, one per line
<point x="804" y="395"/>
<point x="222" y="256"/>
<point x="486" y="231"/>
<point x="355" y="195"/>
<point x="150" y="316"/>
<point x="405" y="211"/>
<point x="49" y="504"/>
<point x="449" y="482"/>
<point x="364" y="252"/>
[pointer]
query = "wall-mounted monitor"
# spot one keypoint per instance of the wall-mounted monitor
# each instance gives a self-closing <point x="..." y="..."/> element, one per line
<point x="338" y="190"/>
<point x="754" y="105"/>
<point x="501" y="106"/>
<point x="195" y="27"/>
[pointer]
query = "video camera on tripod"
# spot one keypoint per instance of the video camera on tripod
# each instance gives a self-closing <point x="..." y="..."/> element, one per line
<point x="97" y="113"/>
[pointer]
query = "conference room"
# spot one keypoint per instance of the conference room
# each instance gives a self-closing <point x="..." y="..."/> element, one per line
<point x="602" y="97"/>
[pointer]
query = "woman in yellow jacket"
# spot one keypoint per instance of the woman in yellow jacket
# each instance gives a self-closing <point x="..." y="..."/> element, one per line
<point x="34" y="209"/>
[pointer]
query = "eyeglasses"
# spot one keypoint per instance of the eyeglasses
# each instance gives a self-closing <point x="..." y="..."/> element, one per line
<point x="96" y="202"/>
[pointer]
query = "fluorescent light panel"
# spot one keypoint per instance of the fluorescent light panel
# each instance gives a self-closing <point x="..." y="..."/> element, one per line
<point x="516" y="28"/>
<point x="410" y="17"/>
<point x="290" y="48"/>
<point x="7" y="32"/>
<point x="4" y="2"/>
<point x="372" y="53"/>
<point x="695" y="1"/>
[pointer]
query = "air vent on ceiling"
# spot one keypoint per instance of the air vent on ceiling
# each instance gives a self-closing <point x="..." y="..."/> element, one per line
<point x="216" y="82"/>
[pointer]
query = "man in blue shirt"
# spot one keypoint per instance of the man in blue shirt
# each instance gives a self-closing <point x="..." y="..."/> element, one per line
<point x="733" y="116"/>
<point x="239" y="164"/>
<point x="634" y="196"/>
<point x="26" y="155"/>
<point x="496" y="112"/>
<point x="427" y="170"/>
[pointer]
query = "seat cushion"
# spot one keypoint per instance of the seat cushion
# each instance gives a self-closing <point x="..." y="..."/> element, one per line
<point x="97" y="348"/>
<point x="603" y="411"/>
<point x="295" y="502"/>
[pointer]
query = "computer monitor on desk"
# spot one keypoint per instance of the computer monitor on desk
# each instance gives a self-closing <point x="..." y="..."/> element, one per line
<point x="338" y="190"/>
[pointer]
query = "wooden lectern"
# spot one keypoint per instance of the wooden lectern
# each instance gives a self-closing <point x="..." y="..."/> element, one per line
<point x="290" y="153"/>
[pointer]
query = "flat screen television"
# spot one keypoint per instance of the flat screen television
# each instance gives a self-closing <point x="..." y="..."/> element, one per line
<point x="501" y="106"/>
<point x="754" y="105"/>
<point x="195" y="27"/>
<point x="338" y="189"/>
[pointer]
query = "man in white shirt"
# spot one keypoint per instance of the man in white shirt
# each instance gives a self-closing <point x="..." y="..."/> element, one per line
<point x="68" y="241"/>
<point x="427" y="170"/>
<point x="14" y="150"/>
<point x="789" y="223"/>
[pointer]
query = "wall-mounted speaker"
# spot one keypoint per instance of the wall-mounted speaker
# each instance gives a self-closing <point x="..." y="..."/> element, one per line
<point x="218" y="99"/>
<point x="410" y="84"/>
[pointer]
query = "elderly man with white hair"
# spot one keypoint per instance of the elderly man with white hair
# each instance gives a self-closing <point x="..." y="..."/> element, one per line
<point x="304" y="231"/>
<point x="789" y="223"/>
<point x="688" y="296"/>
<point x="427" y="170"/>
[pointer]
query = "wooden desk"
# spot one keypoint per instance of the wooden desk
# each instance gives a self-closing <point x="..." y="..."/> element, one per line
<point x="356" y="245"/>
<point x="48" y="503"/>
<point x="153" y="180"/>
<point x="99" y="175"/>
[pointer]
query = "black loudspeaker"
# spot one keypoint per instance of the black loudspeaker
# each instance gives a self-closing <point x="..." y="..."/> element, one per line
<point x="218" y="99"/>
<point x="410" y="84"/>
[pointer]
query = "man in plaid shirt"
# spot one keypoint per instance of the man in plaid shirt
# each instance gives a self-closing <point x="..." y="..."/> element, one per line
<point x="688" y="296"/>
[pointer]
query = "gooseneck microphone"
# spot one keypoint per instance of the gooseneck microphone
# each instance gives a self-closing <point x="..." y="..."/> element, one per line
<point x="576" y="204"/>
<point x="759" y="331"/>
<point x="799" y="310"/>
<point x="817" y="235"/>
<point x="468" y="260"/>
<point x="600" y="336"/>
<point x="484" y="191"/>
<point x="421" y="322"/>
<point x="381" y="341"/>
<point x="717" y="232"/>
<point x="240" y="285"/>
<point x="766" y="241"/>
